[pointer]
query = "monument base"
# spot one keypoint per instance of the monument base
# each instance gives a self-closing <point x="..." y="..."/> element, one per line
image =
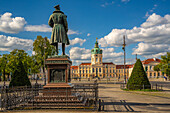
<point x="57" y="89"/>
<point x="58" y="76"/>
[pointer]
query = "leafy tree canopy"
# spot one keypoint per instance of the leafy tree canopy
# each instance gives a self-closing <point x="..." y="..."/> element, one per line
<point x="39" y="46"/>
<point x="165" y="64"/>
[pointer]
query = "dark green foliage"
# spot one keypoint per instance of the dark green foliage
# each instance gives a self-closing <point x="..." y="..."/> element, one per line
<point x="138" y="78"/>
<point x="19" y="78"/>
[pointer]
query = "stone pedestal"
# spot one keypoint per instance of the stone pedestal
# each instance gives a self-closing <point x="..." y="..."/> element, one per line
<point x="58" y="76"/>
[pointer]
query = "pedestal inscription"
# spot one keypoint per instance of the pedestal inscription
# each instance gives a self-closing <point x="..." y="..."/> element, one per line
<point x="57" y="75"/>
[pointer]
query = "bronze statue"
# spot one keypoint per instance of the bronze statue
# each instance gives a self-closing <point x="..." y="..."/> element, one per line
<point x="58" y="21"/>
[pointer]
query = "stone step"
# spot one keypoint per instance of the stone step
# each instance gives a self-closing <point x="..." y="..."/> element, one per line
<point x="55" y="101"/>
<point x="52" y="104"/>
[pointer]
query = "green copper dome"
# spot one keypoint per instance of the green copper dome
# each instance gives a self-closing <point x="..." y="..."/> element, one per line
<point x="96" y="49"/>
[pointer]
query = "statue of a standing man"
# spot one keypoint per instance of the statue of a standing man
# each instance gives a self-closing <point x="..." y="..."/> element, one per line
<point x="58" y="21"/>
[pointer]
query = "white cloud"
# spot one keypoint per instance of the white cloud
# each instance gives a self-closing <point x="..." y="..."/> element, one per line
<point x="108" y="53"/>
<point x="11" y="25"/>
<point x="155" y="20"/>
<point x="38" y="28"/>
<point x="79" y="55"/>
<point x="77" y="41"/>
<point x="147" y="14"/>
<point x="150" y="50"/>
<point x="107" y="4"/>
<point x="9" y="43"/>
<point x="88" y="34"/>
<point x="150" y="11"/>
<point x="155" y="31"/>
<point x="70" y="32"/>
<point x="125" y="1"/>
<point x="45" y="28"/>
<point x="115" y="38"/>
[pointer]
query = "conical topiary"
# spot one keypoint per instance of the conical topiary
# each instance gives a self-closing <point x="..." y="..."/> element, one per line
<point x="138" y="78"/>
<point x="19" y="78"/>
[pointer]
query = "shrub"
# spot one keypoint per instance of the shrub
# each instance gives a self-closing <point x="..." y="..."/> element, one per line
<point x="138" y="78"/>
<point x="19" y="78"/>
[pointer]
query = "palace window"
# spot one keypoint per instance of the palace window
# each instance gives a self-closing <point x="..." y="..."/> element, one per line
<point x="100" y="70"/>
<point x="154" y="74"/>
<point x="80" y="71"/>
<point x="150" y="74"/>
<point x="93" y="70"/>
<point x="158" y="74"/>
<point x="96" y="70"/>
<point x="150" y="67"/>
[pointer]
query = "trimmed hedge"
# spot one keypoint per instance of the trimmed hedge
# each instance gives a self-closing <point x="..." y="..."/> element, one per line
<point x="138" y="78"/>
<point x="20" y="78"/>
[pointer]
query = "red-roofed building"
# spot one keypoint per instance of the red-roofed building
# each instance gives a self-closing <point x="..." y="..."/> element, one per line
<point x="148" y="66"/>
<point x="120" y="70"/>
<point x="74" y="71"/>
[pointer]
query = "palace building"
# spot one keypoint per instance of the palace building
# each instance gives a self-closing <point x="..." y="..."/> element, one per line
<point x="95" y="68"/>
<point x="98" y="68"/>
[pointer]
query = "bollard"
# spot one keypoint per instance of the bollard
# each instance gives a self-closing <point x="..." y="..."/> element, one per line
<point x="99" y="105"/>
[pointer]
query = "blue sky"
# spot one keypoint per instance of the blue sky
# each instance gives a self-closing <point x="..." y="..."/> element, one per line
<point x="146" y="23"/>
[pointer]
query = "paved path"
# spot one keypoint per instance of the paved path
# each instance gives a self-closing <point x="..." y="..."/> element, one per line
<point x="116" y="100"/>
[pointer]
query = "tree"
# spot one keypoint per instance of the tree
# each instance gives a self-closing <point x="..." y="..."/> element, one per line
<point x="34" y="66"/>
<point x="13" y="59"/>
<point x="156" y="68"/>
<point x="39" y="47"/>
<point x="138" y="78"/>
<point x="3" y="65"/>
<point x="165" y="64"/>
<point x="20" y="77"/>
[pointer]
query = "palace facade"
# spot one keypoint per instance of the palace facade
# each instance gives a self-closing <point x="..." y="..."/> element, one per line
<point x="97" y="68"/>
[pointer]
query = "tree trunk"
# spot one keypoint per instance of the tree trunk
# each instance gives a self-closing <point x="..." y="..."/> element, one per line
<point x="8" y="77"/>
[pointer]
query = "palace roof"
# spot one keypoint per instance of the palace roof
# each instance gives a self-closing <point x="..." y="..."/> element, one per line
<point x="108" y="63"/>
<point x="85" y="64"/>
<point x="147" y="61"/>
<point x="74" y="67"/>
<point x="122" y="66"/>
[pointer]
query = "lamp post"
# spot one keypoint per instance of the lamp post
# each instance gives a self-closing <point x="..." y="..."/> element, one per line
<point x="44" y="60"/>
<point x="124" y="45"/>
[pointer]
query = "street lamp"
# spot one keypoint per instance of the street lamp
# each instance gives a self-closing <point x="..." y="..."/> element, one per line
<point x="124" y="45"/>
